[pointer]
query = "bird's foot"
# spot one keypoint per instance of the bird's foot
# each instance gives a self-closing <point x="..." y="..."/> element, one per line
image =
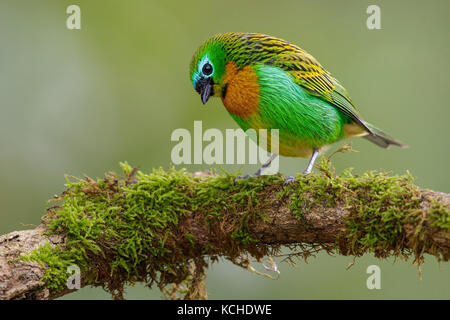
<point x="245" y="177"/>
<point x="256" y="174"/>
<point x="290" y="179"/>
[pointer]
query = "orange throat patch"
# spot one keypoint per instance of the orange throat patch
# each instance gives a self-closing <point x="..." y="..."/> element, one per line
<point x="242" y="90"/>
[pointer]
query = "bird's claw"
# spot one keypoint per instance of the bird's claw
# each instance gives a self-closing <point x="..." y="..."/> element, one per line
<point x="244" y="177"/>
<point x="290" y="179"/>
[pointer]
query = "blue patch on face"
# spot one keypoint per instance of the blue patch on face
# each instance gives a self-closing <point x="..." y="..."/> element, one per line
<point x="199" y="74"/>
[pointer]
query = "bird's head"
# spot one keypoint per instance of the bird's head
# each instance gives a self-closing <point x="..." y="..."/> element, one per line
<point x="207" y="70"/>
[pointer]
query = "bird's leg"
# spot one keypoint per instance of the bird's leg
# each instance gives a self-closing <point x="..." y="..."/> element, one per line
<point x="308" y="170"/>
<point x="311" y="162"/>
<point x="260" y="170"/>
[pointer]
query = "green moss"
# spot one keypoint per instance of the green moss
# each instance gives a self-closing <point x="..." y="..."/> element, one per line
<point x="377" y="204"/>
<point x="379" y="212"/>
<point x="122" y="230"/>
<point x="440" y="216"/>
<point x="114" y="225"/>
<point x="57" y="261"/>
<point x="316" y="189"/>
<point x="217" y="196"/>
<point x="191" y="239"/>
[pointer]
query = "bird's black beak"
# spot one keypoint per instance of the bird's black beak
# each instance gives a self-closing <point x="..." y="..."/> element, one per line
<point x="205" y="88"/>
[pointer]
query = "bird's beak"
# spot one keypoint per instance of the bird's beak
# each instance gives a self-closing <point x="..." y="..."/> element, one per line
<point x="205" y="88"/>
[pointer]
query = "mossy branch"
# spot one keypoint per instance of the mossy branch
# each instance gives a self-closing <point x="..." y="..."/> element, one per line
<point x="166" y="227"/>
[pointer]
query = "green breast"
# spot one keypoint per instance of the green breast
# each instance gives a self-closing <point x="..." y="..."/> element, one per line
<point x="304" y="121"/>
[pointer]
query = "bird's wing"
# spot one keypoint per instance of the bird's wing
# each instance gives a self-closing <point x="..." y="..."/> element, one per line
<point x="312" y="77"/>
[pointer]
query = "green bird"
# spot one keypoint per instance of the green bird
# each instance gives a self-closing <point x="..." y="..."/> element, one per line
<point x="268" y="83"/>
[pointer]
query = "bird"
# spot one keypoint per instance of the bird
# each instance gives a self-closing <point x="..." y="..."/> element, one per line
<point x="268" y="83"/>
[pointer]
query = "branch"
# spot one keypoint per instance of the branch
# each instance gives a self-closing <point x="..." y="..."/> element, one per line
<point x="165" y="228"/>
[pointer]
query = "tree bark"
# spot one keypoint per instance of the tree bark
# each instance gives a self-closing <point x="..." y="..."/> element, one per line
<point x="319" y="227"/>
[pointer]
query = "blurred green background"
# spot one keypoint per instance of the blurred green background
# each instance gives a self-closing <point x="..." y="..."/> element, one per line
<point x="81" y="101"/>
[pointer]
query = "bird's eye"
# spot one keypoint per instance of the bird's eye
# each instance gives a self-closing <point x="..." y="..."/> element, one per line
<point x="207" y="69"/>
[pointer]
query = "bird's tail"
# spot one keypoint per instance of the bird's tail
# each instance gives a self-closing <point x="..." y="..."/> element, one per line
<point x="381" y="139"/>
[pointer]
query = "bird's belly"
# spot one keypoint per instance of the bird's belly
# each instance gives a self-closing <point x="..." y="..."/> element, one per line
<point x="294" y="148"/>
<point x="288" y="145"/>
<point x="304" y="122"/>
